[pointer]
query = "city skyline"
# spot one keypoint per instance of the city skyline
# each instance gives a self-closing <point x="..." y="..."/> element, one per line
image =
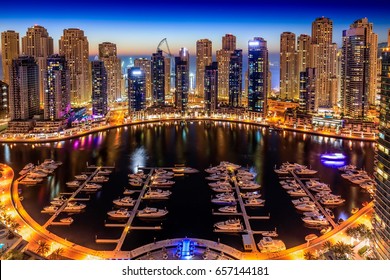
<point x="138" y="33"/>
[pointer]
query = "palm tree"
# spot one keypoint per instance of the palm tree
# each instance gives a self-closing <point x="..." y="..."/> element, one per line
<point x="43" y="248"/>
<point x="13" y="226"/>
<point x="326" y="245"/>
<point x="309" y="256"/>
<point x="57" y="254"/>
<point x="13" y="255"/>
<point x="342" y="251"/>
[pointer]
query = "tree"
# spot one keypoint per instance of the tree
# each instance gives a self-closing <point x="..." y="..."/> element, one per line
<point x="309" y="256"/>
<point x="13" y="255"/>
<point x="57" y="254"/>
<point x="342" y="251"/>
<point x="326" y="245"/>
<point x="43" y="248"/>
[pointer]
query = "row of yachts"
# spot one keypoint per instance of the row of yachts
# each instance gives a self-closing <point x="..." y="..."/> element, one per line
<point x="298" y="169"/>
<point x="358" y="177"/>
<point x="34" y="174"/>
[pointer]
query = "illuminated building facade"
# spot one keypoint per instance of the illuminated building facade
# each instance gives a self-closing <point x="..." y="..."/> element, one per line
<point x="4" y="102"/>
<point x="223" y="59"/>
<point x="158" y="78"/>
<point x="136" y="89"/>
<point x="303" y="52"/>
<point x="57" y="88"/>
<point x="74" y="46"/>
<point x="24" y="89"/>
<point x="108" y="54"/>
<point x="99" y="88"/>
<point x="381" y="223"/>
<point x="235" y="79"/>
<point x="257" y="75"/>
<point x="288" y="67"/>
<point x="307" y="91"/>
<point x="38" y="44"/>
<point x="144" y="64"/>
<point x="203" y="58"/>
<point x="211" y="88"/>
<point x="182" y="80"/>
<point x="9" y="51"/>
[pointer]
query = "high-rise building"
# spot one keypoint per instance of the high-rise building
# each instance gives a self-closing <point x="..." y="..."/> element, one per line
<point x="9" y="51"/>
<point x="371" y="44"/>
<point x="4" y="102"/>
<point x="355" y="73"/>
<point x="108" y="54"/>
<point x="57" y="88"/>
<point x="381" y="221"/>
<point x="235" y="79"/>
<point x="307" y="91"/>
<point x="99" y="88"/>
<point x="24" y="89"/>
<point x="303" y="52"/>
<point x="203" y="58"/>
<point x="323" y="57"/>
<point x="74" y="46"/>
<point x="211" y="88"/>
<point x="144" y="65"/>
<point x="229" y="42"/>
<point x="182" y="80"/>
<point x="257" y="75"/>
<point x="223" y="59"/>
<point x="288" y="67"/>
<point x="168" y="74"/>
<point x="158" y="78"/>
<point x="38" y="44"/>
<point x="136" y="89"/>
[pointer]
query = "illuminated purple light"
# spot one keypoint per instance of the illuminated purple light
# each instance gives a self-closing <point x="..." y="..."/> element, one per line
<point x="333" y="163"/>
<point x="333" y="156"/>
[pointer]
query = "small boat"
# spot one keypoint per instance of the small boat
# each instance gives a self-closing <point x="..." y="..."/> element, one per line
<point x="368" y="184"/>
<point x="228" y="209"/>
<point x="156" y="194"/>
<point x="305" y="171"/>
<point x="99" y="179"/>
<point x="315" y="221"/>
<point x="73" y="184"/>
<point x="249" y="186"/>
<point x="306" y="207"/>
<point x="227" y="200"/>
<point x="190" y="170"/>
<point x="128" y="192"/>
<point x="81" y="177"/>
<point x="119" y="214"/>
<point x="162" y="182"/>
<point x="249" y="195"/>
<point x="136" y="183"/>
<point x="74" y="207"/>
<point x="230" y="225"/>
<point x="222" y="189"/>
<point x="126" y="201"/>
<point x="91" y="187"/>
<point x="301" y="200"/>
<point x="150" y="212"/>
<point x="30" y="181"/>
<point x="270" y="233"/>
<point x="329" y="212"/>
<point x="347" y="167"/>
<point x="66" y="221"/>
<point x="178" y="169"/>
<point x="332" y="201"/>
<point x="219" y="184"/>
<point x="254" y="202"/>
<point x="354" y="210"/>
<point x="269" y="245"/>
<point x="104" y="172"/>
<point x="137" y="176"/>
<point x="297" y="192"/>
<point x="50" y="209"/>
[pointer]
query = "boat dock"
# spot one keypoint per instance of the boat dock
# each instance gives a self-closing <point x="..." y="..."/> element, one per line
<point x="320" y="207"/>
<point x="62" y="207"/>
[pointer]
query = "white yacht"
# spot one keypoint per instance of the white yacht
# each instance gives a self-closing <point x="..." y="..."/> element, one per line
<point x="37" y="174"/>
<point x="360" y="179"/>
<point x="306" y="171"/>
<point x="50" y="209"/>
<point x="136" y="183"/>
<point x="227" y="200"/>
<point x="228" y="209"/>
<point x="128" y="192"/>
<point x="119" y="214"/>
<point x="150" y="212"/>
<point x="57" y="202"/>
<point x="30" y="181"/>
<point x="99" y="179"/>
<point x="368" y="184"/>
<point x="67" y="221"/>
<point x="269" y="245"/>
<point x="297" y="192"/>
<point x="74" y="207"/>
<point x="331" y="201"/>
<point x="250" y="195"/>
<point x="162" y="182"/>
<point x="315" y="221"/>
<point x="225" y="194"/>
<point x="50" y="161"/>
<point x="91" y="187"/>
<point x="306" y="207"/>
<point x="220" y="184"/>
<point x="311" y="213"/>
<point x="254" y="202"/>
<point x="321" y="188"/>
<point x="156" y="194"/>
<point x="230" y="225"/>
<point x="301" y="200"/>
<point x="190" y="170"/>
<point x="138" y="176"/>
<point x="104" y="172"/>
<point x="222" y="189"/>
<point x="249" y="186"/>
<point x="126" y="201"/>
<point x="347" y="167"/>
<point x="162" y="177"/>
<point x="73" y="184"/>
<point x="81" y="177"/>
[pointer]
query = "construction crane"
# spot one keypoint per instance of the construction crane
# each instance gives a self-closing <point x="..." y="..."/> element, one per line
<point x="166" y="43"/>
<point x="171" y="57"/>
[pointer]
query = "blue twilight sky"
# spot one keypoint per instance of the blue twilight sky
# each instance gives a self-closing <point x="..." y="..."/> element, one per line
<point x="138" y="26"/>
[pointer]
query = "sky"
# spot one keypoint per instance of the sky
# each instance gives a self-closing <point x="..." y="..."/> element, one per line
<point x="138" y="26"/>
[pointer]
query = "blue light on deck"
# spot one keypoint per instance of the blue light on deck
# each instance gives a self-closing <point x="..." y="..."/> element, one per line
<point x="333" y="156"/>
<point x="186" y="249"/>
<point x="333" y="163"/>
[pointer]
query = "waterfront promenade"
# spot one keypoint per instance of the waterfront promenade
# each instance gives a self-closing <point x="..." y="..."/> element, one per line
<point x="33" y="233"/>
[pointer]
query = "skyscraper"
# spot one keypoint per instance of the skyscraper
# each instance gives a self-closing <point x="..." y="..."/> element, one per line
<point x="108" y="54"/>
<point x="288" y="67"/>
<point x="355" y="73"/>
<point x="381" y="221"/>
<point x="323" y="57"/>
<point x="203" y="58"/>
<point x="158" y="78"/>
<point x="303" y="52"/>
<point x="182" y="81"/>
<point x="307" y="91"/>
<point x="223" y="59"/>
<point x="9" y="51"/>
<point x="136" y="89"/>
<point x="168" y="74"/>
<point x="4" y="102"/>
<point x="74" y="46"/>
<point x="57" y="88"/>
<point x="229" y="42"/>
<point x="257" y="76"/>
<point x="371" y="44"/>
<point x="38" y="44"/>
<point x="99" y="88"/>
<point x="144" y="65"/>
<point x="24" y="88"/>
<point x="211" y="88"/>
<point x="235" y="79"/>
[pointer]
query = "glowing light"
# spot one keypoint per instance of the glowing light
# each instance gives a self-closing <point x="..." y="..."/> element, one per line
<point x="136" y="72"/>
<point x="253" y="43"/>
<point x="333" y="156"/>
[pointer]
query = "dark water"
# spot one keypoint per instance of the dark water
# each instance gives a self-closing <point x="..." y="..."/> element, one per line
<point x="197" y="145"/>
